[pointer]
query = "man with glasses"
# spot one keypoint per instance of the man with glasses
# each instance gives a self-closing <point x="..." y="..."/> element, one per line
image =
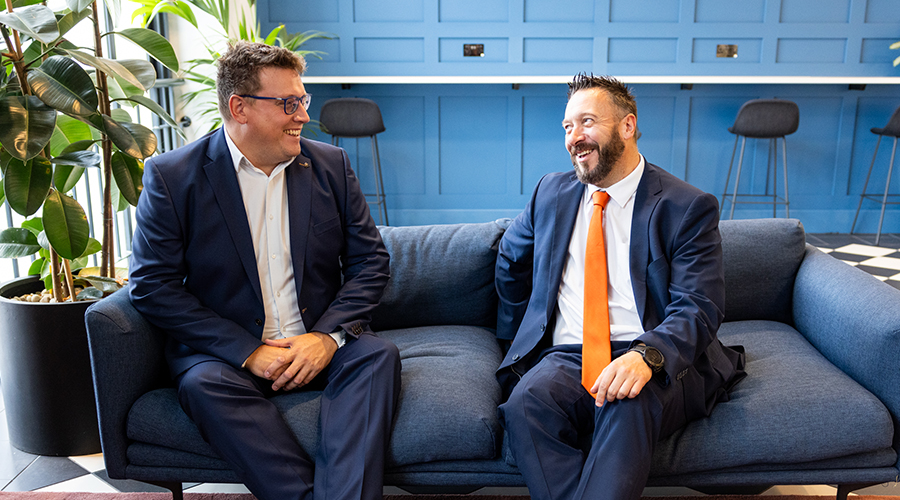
<point x="256" y="254"/>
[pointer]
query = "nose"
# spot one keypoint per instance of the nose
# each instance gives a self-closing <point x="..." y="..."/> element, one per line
<point x="301" y="115"/>
<point x="574" y="136"/>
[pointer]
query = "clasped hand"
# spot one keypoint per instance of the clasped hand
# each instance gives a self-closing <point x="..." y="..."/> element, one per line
<point x="294" y="361"/>
<point x="623" y="378"/>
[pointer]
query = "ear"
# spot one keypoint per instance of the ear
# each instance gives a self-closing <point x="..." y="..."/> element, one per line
<point x="628" y="127"/>
<point x="238" y="108"/>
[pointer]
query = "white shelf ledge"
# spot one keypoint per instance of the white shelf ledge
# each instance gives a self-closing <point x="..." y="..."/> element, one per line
<point x="718" y="80"/>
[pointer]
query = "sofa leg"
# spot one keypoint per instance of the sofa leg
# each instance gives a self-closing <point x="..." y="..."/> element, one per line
<point x="844" y="489"/>
<point x="174" y="487"/>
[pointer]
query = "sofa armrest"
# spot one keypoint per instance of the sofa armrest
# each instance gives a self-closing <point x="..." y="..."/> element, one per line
<point x="852" y="319"/>
<point x="127" y="360"/>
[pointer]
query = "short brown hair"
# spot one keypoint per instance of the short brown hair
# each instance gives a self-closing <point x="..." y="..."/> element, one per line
<point x="618" y="92"/>
<point x="239" y="69"/>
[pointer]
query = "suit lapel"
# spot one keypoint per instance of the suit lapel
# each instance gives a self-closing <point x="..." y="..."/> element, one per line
<point x="567" y="199"/>
<point x="223" y="180"/>
<point x="299" y="190"/>
<point x="645" y="200"/>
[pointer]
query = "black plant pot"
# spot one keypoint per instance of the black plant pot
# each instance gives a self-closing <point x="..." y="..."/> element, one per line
<point x="45" y="373"/>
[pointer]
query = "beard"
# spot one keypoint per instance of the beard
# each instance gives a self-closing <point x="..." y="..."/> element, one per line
<point x="606" y="159"/>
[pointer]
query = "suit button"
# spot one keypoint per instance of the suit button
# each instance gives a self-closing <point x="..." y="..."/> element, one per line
<point x="258" y="322"/>
<point x="516" y="357"/>
<point x="543" y="327"/>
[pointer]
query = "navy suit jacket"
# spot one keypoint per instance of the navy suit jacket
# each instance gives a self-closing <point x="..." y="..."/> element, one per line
<point x="193" y="266"/>
<point x="676" y="271"/>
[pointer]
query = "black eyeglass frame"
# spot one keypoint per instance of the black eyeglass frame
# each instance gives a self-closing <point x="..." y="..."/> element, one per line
<point x="296" y="102"/>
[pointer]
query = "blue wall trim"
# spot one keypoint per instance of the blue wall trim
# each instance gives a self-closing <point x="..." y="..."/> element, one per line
<point x="471" y="153"/>
<point x="624" y="37"/>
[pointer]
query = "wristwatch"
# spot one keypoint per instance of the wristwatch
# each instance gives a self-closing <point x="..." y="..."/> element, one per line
<point x="654" y="359"/>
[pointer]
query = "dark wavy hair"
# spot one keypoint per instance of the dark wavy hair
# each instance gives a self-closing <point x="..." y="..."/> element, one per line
<point x="239" y="68"/>
<point x="618" y="92"/>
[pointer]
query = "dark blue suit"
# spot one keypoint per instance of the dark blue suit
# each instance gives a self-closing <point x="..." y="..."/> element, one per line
<point x="678" y="283"/>
<point x="194" y="275"/>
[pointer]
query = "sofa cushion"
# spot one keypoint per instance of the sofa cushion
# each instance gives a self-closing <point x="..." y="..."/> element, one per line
<point x="793" y="407"/>
<point x="447" y="411"/>
<point x="440" y="275"/>
<point x="449" y="398"/>
<point x="761" y="260"/>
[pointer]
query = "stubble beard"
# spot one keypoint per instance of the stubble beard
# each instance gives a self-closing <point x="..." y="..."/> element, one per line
<point x="607" y="158"/>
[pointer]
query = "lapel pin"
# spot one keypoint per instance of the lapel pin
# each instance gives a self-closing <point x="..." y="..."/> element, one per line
<point x="304" y="165"/>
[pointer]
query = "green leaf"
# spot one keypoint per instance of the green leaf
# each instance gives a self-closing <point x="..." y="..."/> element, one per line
<point x="23" y="3"/>
<point x="36" y="267"/>
<point x="35" y="225"/>
<point x="78" y="159"/>
<point x="93" y="247"/>
<point x="112" y="68"/>
<point x="273" y="35"/>
<point x="89" y="293"/>
<point x="27" y="184"/>
<point x="36" y="21"/>
<point x="66" y="225"/>
<point x="26" y="126"/>
<point x="140" y="69"/>
<point x="62" y="84"/>
<point x="155" y="44"/>
<point x="78" y="5"/>
<point x="17" y="242"/>
<point x="159" y="111"/>
<point x="71" y="19"/>
<point x="121" y="115"/>
<point x="177" y="8"/>
<point x="128" y="173"/>
<point x="133" y="139"/>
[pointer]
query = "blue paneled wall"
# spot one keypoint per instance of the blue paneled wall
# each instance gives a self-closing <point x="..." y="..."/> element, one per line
<point x="624" y="37"/>
<point x="454" y="153"/>
<point x="473" y="152"/>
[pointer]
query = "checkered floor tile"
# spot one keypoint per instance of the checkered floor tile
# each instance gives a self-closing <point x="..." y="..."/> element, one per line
<point x="879" y="261"/>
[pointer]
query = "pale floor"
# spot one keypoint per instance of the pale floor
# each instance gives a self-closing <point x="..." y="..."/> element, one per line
<point x="20" y="471"/>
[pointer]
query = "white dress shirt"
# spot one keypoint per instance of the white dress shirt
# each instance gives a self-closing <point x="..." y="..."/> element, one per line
<point x="625" y="322"/>
<point x="266" y="204"/>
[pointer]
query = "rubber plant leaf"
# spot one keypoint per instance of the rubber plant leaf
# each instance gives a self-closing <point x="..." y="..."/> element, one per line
<point x="27" y="183"/>
<point x="63" y="85"/>
<point x="127" y="172"/>
<point x="17" y="242"/>
<point x="26" y="125"/>
<point x="155" y="44"/>
<point x="36" y="21"/>
<point x="66" y="225"/>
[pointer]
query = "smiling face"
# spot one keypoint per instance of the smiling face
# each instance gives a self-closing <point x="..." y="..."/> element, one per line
<point x="265" y="134"/>
<point x="593" y="138"/>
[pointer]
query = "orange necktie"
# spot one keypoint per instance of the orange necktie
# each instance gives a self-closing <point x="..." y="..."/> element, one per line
<point x="595" y="350"/>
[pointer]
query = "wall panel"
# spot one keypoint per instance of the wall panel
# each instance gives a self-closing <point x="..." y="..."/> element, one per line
<point x="473" y="142"/>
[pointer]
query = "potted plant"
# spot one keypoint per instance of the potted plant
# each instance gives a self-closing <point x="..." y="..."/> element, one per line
<point x="56" y="120"/>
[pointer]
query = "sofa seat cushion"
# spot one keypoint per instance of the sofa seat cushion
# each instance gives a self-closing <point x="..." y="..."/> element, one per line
<point x="447" y="411"/>
<point x="449" y="397"/>
<point x="794" y="407"/>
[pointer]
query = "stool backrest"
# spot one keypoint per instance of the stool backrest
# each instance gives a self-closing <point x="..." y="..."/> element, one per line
<point x="351" y="117"/>
<point x="892" y="128"/>
<point x="766" y="118"/>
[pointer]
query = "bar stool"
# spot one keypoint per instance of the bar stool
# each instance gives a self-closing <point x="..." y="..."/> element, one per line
<point x="892" y="129"/>
<point x="353" y="117"/>
<point x="763" y="119"/>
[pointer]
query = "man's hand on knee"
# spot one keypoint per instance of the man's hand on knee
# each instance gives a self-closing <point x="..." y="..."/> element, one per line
<point x="623" y="378"/>
<point x="306" y="356"/>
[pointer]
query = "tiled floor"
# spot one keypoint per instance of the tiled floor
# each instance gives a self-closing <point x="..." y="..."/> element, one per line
<point x="20" y="471"/>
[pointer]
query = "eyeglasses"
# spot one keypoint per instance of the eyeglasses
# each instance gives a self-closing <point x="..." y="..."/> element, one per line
<point x="290" y="103"/>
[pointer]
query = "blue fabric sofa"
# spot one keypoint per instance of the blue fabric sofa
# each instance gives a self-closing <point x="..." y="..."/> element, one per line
<point x="820" y="405"/>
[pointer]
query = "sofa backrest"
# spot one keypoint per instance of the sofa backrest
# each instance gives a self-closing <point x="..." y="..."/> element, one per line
<point x="440" y="275"/>
<point x="762" y="257"/>
<point x="444" y="274"/>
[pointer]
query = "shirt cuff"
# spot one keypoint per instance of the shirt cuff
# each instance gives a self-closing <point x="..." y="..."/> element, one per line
<point x="340" y="338"/>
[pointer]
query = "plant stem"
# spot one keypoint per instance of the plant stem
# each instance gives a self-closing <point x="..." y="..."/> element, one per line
<point x="70" y="283"/>
<point x="54" y="271"/>
<point x="18" y="62"/>
<point x="106" y="252"/>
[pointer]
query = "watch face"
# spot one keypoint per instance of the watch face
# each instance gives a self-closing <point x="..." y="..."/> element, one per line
<point x="653" y="357"/>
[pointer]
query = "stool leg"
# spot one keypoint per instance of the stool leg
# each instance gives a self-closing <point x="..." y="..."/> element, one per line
<point x="772" y="153"/>
<point x="737" y="178"/>
<point x="379" y="183"/>
<point x="728" y="178"/>
<point x="787" y="201"/>
<point x="887" y="186"/>
<point x="866" y="185"/>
